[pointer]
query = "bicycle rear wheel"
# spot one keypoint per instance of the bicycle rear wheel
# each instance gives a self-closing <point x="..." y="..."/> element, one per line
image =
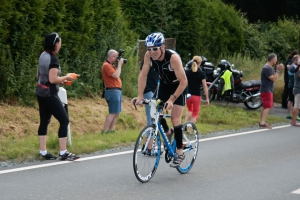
<point x="190" y="150"/>
<point x="146" y="160"/>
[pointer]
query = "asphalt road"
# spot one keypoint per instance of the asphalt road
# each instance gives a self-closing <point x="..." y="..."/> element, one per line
<point x="255" y="165"/>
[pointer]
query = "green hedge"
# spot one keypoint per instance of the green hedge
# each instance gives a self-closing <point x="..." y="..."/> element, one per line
<point x="89" y="28"/>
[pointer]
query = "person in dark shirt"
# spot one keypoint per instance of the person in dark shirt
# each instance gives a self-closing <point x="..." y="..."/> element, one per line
<point x="150" y="88"/>
<point x="285" y="94"/>
<point x="196" y="79"/>
<point x="291" y="73"/>
<point x="47" y="95"/>
<point x="172" y="84"/>
<point x="268" y="77"/>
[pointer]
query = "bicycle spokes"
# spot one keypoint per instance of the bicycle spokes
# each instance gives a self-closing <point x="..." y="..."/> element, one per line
<point x="146" y="154"/>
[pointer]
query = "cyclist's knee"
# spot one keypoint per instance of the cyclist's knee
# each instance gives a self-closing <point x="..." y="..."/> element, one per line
<point x="176" y="121"/>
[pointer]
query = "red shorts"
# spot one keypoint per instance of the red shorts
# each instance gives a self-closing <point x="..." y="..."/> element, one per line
<point x="267" y="99"/>
<point x="193" y="104"/>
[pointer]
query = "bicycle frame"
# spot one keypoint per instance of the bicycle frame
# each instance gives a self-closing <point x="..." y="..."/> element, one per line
<point x="158" y="128"/>
<point x="147" y="150"/>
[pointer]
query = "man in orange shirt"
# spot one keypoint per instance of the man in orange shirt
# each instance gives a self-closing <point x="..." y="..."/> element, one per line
<point x="113" y="91"/>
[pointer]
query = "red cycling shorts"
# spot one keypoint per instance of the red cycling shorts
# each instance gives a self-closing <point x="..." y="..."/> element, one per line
<point x="267" y="99"/>
<point x="193" y="104"/>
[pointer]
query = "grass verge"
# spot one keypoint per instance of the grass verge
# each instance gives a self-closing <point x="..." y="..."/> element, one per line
<point x="214" y="118"/>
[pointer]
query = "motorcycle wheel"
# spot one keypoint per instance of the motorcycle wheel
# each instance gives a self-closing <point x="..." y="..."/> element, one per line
<point x="253" y="103"/>
<point x="211" y="95"/>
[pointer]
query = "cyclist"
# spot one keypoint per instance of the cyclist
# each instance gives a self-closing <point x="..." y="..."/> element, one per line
<point x="149" y="91"/>
<point x="173" y="83"/>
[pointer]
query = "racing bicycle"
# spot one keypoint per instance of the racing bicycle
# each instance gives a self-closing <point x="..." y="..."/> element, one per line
<point x="148" y="146"/>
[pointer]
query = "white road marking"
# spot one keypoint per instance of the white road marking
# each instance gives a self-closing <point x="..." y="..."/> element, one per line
<point x="296" y="191"/>
<point x="243" y="133"/>
<point x="127" y="152"/>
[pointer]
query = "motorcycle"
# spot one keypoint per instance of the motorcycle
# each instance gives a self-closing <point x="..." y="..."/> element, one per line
<point x="242" y="92"/>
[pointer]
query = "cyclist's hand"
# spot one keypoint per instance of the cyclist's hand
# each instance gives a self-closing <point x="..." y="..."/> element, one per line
<point x="169" y="105"/>
<point x="137" y="101"/>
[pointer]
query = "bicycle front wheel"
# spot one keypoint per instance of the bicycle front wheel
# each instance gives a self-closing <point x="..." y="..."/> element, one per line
<point x="146" y="159"/>
<point x="191" y="142"/>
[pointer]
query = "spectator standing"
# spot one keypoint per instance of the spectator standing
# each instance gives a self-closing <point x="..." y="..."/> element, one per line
<point x="196" y="78"/>
<point x="291" y="73"/>
<point x="150" y="88"/>
<point x="268" y="77"/>
<point x="47" y="95"/>
<point x="285" y="94"/>
<point x="296" y="92"/>
<point x="113" y="91"/>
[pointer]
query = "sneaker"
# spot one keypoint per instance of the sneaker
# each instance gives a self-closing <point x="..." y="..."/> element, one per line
<point x="49" y="156"/>
<point x="295" y="124"/>
<point x="288" y="117"/>
<point x="68" y="156"/>
<point x="298" y="118"/>
<point x="177" y="160"/>
<point x="266" y="126"/>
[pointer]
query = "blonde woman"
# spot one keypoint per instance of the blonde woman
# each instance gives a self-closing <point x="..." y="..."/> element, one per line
<point x="196" y="79"/>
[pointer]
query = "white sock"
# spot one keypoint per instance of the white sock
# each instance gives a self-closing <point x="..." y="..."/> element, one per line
<point x="62" y="152"/>
<point x="43" y="152"/>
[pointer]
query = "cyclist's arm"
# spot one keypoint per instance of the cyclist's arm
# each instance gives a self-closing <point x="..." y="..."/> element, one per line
<point x="143" y="76"/>
<point x="180" y="75"/>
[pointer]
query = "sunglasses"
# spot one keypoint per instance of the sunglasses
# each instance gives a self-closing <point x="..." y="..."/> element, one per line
<point x="56" y="36"/>
<point x="153" y="49"/>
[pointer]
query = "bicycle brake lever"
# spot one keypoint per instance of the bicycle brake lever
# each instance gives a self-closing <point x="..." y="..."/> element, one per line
<point x="134" y="103"/>
<point x="165" y="107"/>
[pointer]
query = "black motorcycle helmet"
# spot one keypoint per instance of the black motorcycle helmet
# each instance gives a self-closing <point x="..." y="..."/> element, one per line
<point x="224" y="64"/>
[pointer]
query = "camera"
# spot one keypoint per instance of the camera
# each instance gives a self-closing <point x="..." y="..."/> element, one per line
<point x="120" y="55"/>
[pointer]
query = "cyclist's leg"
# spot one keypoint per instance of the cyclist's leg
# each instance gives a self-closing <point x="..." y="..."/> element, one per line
<point x="164" y="95"/>
<point x="165" y="126"/>
<point x="176" y="122"/>
<point x="148" y="95"/>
